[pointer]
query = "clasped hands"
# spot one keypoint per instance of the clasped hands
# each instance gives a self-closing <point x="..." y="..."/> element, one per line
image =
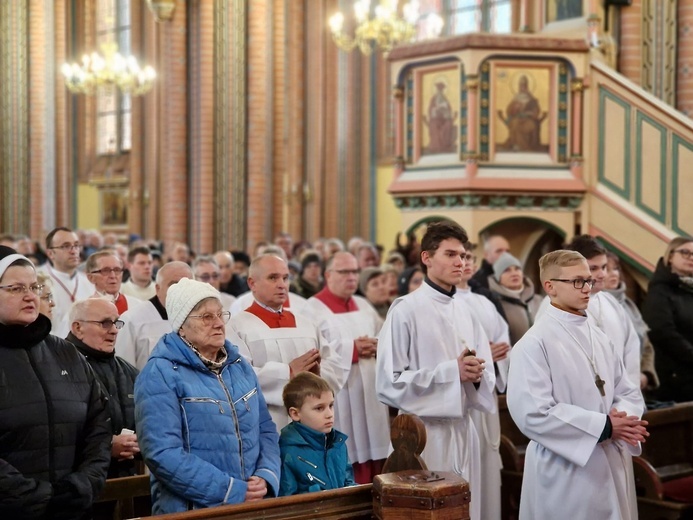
<point x="308" y="362"/>
<point x="628" y="428"/>
<point x="471" y="367"/>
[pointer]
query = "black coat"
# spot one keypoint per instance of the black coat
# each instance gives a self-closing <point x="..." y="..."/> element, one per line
<point x="55" y="432"/>
<point x="117" y="379"/>
<point x="668" y="311"/>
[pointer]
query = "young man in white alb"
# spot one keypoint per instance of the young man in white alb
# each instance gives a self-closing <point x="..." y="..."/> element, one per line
<point x="432" y="361"/>
<point x="569" y="393"/>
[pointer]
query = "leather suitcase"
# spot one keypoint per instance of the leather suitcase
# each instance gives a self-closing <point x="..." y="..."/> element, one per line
<point x="420" y="495"/>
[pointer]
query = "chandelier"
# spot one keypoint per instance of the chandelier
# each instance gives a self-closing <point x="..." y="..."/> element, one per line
<point x="108" y="71"/>
<point x="384" y="28"/>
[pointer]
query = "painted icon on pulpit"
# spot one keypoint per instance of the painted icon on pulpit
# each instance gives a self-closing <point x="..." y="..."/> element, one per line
<point x="557" y="10"/>
<point x="522" y="101"/>
<point x="439" y="130"/>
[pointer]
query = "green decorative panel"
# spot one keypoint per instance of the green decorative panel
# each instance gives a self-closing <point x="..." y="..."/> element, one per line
<point x="614" y="113"/>
<point x="655" y="142"/>
<point x="409" y="118"/>
<point x="511" y="201"/>
<point x="682" y="186"/>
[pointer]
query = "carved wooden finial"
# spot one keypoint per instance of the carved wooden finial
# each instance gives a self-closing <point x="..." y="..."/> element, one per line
<point x="408" y="436"/>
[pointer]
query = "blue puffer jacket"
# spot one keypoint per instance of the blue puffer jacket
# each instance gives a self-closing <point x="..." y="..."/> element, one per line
<point x="313" y="461"/>
<point x="202" y="435"/>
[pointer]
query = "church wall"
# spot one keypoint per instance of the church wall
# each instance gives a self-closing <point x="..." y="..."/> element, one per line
<point x="684" y="92"/>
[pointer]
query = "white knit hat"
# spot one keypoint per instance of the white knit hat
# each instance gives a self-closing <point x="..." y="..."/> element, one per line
<point x="182" y="298"/>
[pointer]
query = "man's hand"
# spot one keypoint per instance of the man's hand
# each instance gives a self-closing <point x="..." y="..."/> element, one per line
<point x="628" y="428"/>
<point x="643" y="381"/>
<point x="499" y="351"/>
<point x="308" y="362"/>
<point x="471" y="367"/>
<point x="257" y="489"/>
<point x="124" y="446"/>
<point x="366" y="347"/>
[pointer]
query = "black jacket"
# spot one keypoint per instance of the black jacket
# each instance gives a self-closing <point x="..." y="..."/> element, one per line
<point x="55" y="431"/>
<point x="668" y="311"/>
<point x="117" y="379"/>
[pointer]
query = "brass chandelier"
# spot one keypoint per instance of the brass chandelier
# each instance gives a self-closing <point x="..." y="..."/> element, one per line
<point x="384" y="28"/>
<point x="108" y="71"/>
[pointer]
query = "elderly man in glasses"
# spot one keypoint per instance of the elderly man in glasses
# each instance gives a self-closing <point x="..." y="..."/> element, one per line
<point x="206" y="269"/>
<point x="70" y="285"/>
<point x="94" y="326"/>
<point x="105" y="270"/>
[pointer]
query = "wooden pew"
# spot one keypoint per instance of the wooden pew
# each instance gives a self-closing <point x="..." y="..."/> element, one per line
<point x="667" y="457"/>
<point x="130" y="495"/>
<point x="353" y="503"/>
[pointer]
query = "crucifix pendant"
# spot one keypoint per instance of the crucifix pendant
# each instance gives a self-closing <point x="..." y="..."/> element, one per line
<point x="599" y="382"/>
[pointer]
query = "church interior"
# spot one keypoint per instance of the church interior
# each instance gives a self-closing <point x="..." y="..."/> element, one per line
<point x="222" y="124"/>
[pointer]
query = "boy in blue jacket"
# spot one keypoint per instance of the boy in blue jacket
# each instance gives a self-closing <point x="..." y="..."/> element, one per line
<point x="314" y="455"/>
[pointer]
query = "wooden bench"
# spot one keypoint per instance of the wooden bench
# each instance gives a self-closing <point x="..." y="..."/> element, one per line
<point x="666" y="460"/>
<point x="352" y="503"/>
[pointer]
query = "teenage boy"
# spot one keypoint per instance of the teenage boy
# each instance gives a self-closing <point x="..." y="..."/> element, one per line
<point x="571" y="395"/>
<point x="314" y="454"/>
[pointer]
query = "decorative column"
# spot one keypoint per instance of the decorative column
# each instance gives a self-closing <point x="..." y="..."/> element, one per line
<point x="14" y="116"/>
<point x="472" y="155"/>
<point x="172" y="109"/>
<point x="524" y="16"/>
<point x="576" y="160"/>
<point x="398" y="95"/>
<point x="684" y="56"/>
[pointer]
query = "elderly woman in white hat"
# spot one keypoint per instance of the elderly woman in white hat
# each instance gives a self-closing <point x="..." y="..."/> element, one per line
<point x="202" y="421"/>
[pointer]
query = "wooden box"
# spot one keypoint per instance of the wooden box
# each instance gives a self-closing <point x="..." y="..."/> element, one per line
<point x="420" y="495"/>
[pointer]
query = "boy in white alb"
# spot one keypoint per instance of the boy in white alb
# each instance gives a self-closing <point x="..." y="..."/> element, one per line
<point x="569" y="393"/>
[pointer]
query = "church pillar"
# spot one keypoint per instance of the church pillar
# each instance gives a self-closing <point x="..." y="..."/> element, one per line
<point x="472" y="157"/>
<point x="14" y="116"/>
<point x="207" y="212"/>
<point x="684" y="65"/>
<point x="398" y="95"/>
<point x="172" y="110"/>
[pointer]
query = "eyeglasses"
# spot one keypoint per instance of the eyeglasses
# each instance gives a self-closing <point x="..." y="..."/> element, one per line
<point x="48" y="298"/>
<point x="347" y="272"/>
<point x="578" y="283"/>
<point x="684" y="253"/>
<point x="20" y="289"/>
<point x="107" y="271"/>
<point x="107" y="324"/>
<point x="469" y="258"/>
<point x="207" y="277"/>
<point x="68" y="247"/>
<point x="209" y="318"/>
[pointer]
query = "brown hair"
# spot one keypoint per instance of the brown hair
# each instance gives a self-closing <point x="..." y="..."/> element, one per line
<point x="302" y="385"/>
<point x="436" y="232"/>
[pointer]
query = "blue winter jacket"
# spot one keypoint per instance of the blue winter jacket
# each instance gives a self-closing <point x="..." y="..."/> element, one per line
<point x="313" y="461"/>
<point x="202" y="435"/>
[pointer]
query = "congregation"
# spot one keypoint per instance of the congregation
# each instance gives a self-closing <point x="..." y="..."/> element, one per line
<point x="196" y="366"/>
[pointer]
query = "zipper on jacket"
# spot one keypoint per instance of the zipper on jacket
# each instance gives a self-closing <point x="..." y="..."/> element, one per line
<point x="247" y="397"/>
<point x="204" y="400"/>
<point x="51" y="419"/>
<point x="312" y="477"/>
<point x="315" y="466"/>
<point x="235" y="420"/>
